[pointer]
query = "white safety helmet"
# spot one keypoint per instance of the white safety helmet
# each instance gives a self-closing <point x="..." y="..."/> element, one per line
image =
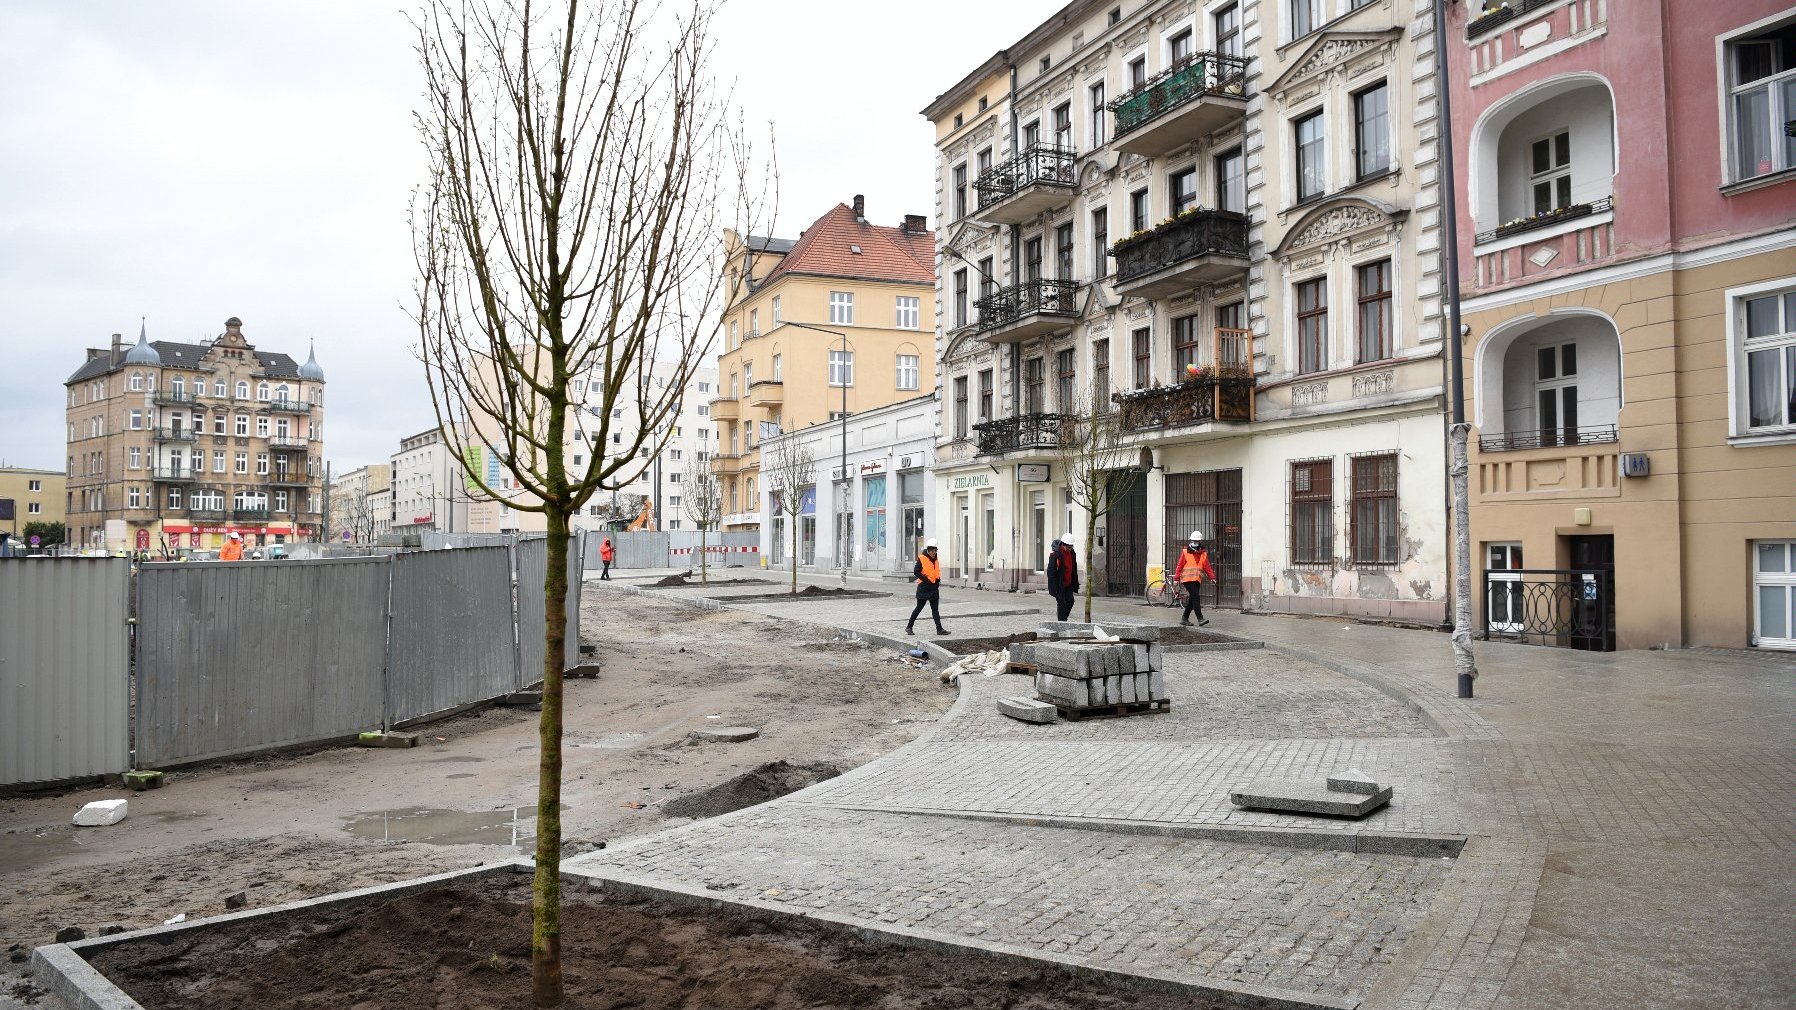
<point x="1067" y="539"/>
<point x="929" y="543"/>
<point x="1197" y="536"/>
<point x="236" y="535"/>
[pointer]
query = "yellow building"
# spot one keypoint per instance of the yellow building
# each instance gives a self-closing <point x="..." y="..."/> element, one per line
<point x="36" y="496"/>
<point x="840" y="320"/>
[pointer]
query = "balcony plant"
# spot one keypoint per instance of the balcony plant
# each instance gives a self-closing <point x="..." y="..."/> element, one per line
<point x="1183" y="217"/>
<point x="1544" y="217"/>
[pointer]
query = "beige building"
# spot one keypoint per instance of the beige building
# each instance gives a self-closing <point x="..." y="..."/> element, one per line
<point x="838" y="321"/>
<point x="36" y="496"/>
<point x="361" y="504"/>
<point x="172" y="446"/>
<point x="1219" y="221"/>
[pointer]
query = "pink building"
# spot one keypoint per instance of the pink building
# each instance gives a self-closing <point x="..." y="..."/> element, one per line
<point x="1627" y="253"/>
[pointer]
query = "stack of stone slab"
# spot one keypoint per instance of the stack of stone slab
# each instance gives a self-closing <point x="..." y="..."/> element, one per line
<point x="1078" y="672"/>
<point x="1351" y="793"/>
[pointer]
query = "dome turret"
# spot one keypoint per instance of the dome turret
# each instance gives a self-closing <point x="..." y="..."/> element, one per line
<point x="143" y="353"/>
<point x="311" y="370"/>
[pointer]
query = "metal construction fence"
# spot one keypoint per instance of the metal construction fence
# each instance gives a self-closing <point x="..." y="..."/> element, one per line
<point x="237" y="658"/>
<point x="674" y="549"/>
<point x="64" y="668"/>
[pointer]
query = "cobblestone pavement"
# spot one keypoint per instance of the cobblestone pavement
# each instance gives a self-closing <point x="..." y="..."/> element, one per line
<point x="1629" y="816"/>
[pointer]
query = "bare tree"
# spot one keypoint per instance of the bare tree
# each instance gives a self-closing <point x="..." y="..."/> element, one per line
<point x="791" y="466"/>
<point x="701" y="499"/>
<point x="1099" y="468"/>
<point x="582" y="170"/>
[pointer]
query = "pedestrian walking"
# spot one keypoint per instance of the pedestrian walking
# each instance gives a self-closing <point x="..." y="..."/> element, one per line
<point x="1192" y="572"/>
<point x="928" y="573"/>
<point x="606" y="553"/>
<point x="233" y="547"/>
<point x="1063" y="576"/>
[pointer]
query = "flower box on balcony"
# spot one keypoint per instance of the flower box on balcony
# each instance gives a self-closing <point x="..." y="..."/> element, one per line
<point x="1546" y="219"/>
<point x="1209" y="394"/>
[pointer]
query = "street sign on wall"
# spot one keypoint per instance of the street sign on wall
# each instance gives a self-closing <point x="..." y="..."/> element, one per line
<point x="1032" y="473"/>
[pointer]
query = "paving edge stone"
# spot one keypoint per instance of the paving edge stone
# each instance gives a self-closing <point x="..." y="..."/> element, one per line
<point x="1236" y="994"/>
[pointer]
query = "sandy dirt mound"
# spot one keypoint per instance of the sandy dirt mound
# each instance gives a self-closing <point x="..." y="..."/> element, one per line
<point x="768" y="782"/>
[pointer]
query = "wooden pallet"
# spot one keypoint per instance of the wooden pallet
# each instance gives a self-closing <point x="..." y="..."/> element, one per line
<point x="1074" y="714"/>
<point x="1028" y="668"/>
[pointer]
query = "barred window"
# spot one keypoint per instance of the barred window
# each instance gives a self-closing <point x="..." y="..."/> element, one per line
<point x="1374" y="513"/>
<point x="1312" y="512"/>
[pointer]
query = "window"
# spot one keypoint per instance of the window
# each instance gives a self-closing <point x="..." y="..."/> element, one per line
<point x="1769" y="324"/>
<point x="34" y="485"/>
<point x="960" y="191"/>
<point x="1100" y="243"/>
<point x="1032" y="259"/>
<point x="1065" y="390"/>
<point x="777" y="318"/>
<point x="841" y="308"/>
<point x="218" y="424"/>
<point x="1227" y="23"/>
<point x="34" y="508"/>
<point x="1044" y="64"/>
<point x="984" y="160"/>
<point x="960" y="298"/>
<point x="985" y="395"/>
<point x="218" y="387"/>
<point x="1372" y="130"/>
<point x="1312" y="512"/>
<point x="1063" y="251"/>
<point x="960" y="407"/>
<point x="134" y="458"/>
<point x="735" y="334"/>
<point x="1306" y="15"/>
<point x="1137" y="72"/>
<point x="1063" y="126"/>
<point x="242" y="390"/>
<point x="1761" y="81"/>
<point x="1231" y="182"/>
<point x="841" y="368"/>
<point x="134" y="497"/>
<point x="1100" y="374"/>
<point x="1556" y="392"/>
<point x="218" y="461"/>
<point x="748" y="374"/>
<point x="1181" y="191"/>
<point x="754" y="322"/>
<point x="1034" y="383"/>
<point x="280" y="501"/>
<point x="1144" y="357"/>
<point x="1138" y="211"/>
<point x="136" y="420"/>
<point x="1312" y="325"/>
<point x="1549" y="172"/>
<point x="261" y="427"/>
<point x="1774" y="594"/>
<point x="242" y="462"/>
<point x="1096" y="101"/>
<point x="779" y="363"/>
<point x="174" y="497"/>
<point x="1312" y="169"/>
<point x="1373" y="518"/>
<point x="242" y="425"/>
<point x="262" y="463"/>
<point x="1184" y="346"/>
<point x="907" y="371"/>
<point x="136" y="380"/>
<point x="909" y="312"/>
<point x="1032" y="134"/>
<point x="263" y="392"/>
<point x="988" y="284"/>
<point x="280" y="393"/>
<point x="1115" y="15"/>
<point x="1375" y="343"/>
<point x="1178" y="48"/>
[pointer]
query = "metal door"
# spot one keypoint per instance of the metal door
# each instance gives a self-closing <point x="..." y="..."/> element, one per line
<point x="1126" y="544"/>
<point x="1209" y="501"/>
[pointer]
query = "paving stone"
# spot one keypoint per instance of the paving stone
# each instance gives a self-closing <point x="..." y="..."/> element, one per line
<point x="1353" y="781"/>
<point x="1126" y="687"/>
<point x="1028" y="710"/>
<point x="1307" y="796"/>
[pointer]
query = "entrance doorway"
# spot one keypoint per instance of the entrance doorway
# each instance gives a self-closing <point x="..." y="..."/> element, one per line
<point x="1592" y="561"/>
<point x="1209" y="501"/>
<point x="1125" y="542"/>
<point x="1504" y="602"/>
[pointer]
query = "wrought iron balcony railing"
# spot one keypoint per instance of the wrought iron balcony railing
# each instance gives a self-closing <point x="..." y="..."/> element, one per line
<point x="1571" y="608"/>
<point x="1038" y="164"/>
<point x="291" y="406"/>
<point x="1212" y="396"/>
<point x="171" y="398"/>
<point x="176" y="473"/>
<point x="1199" y="75"/>
<point x="1038" y="297"/>
<point x="1023" y="432"/>
<point x="1547" y="438"/>
<point x="286" y="442"/>
<point x="1192" y="234"/>
<point x="251" y="515"/>
<point x="175" y="435"/>
<point x="1546" y="219"/>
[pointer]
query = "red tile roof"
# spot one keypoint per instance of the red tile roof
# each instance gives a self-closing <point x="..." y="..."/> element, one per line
<point x="886" y="254"/>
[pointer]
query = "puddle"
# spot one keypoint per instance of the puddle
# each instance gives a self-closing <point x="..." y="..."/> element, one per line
<point x="460" y="775"/>
<point x="25" y="850"/>
<point x="511" y="826"/>
<point x="614" y="741"/>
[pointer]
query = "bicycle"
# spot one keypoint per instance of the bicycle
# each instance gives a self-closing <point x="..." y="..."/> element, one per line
<point x="1161" y="593"/>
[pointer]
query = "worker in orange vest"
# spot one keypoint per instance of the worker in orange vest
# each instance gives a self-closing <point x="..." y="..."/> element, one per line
<point x="1192" y="571"/>
<point x="928" y="573"/>
<point x="606" y="553"/>
<point x="233" y="547"/>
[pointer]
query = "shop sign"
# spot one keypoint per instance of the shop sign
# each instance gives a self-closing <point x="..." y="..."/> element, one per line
<point x="970" y="480"/>
<point x="1032" y="473"/>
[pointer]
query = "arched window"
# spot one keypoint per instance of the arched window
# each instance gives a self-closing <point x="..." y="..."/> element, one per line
<point x="136" y="380"/>
<point x="262" y="391"/>
<point x="242" y="390"/>
<point x="280" y="393"/>
<point x="218" y="388"/>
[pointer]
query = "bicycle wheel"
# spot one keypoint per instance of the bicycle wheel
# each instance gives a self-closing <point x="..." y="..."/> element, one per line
<point x="1158" y="594"/>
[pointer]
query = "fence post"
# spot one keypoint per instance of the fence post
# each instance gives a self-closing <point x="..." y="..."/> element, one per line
<point x="386" y="652"/>
<point x="517" y="632"/>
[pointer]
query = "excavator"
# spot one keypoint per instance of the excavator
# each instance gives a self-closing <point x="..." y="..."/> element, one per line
<point x="645" y="520"/>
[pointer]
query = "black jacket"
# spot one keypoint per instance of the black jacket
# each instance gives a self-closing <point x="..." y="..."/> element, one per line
<point x="1063" y="570"/>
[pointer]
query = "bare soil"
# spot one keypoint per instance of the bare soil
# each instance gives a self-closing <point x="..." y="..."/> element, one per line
<point x="467" y="946"/>
<point x="693" y="580"/>
<point x="974" y="646"/>
<point x="279" y="828"/>
<point x="811" y="593"/>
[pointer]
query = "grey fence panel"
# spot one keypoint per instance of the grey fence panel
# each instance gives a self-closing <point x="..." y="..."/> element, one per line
<point x="451" y="637"/>
<point x="575" y="563"/>
<point x="431" y="540"/>
<point x="64" y="690"/>
<point x="533" y="566"/>
<point x="247" y="656"/>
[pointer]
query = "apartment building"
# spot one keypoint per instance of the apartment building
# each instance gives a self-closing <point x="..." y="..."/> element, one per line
<point x="429" y="489"/>
<point x="841" y="316"/>
<point x="1219" y="221"/>
<point x="29" y="496"/>
<point x="361" y="504"/>
<point x="1628" y="265"/>
<point x="172" y="446"/>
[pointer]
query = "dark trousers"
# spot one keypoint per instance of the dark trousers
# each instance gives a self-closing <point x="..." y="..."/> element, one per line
<point x="1063" y="605"/>
<point x="1194" y="602"/>
<point x="932" y="598"/>
<point x="606" y="574"/>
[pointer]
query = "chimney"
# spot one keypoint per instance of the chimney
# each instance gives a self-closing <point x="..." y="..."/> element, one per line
<point x="115" y="347"/>
<point x="860" y="207"/>
<point x="916" y="224"/>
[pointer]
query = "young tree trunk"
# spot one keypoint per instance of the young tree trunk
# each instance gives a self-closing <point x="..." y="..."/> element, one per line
<point x="704" y="557"/>
<point x="1091" y="536"/>
<point x="794" y="555"/>
<point x="545" y="938"/>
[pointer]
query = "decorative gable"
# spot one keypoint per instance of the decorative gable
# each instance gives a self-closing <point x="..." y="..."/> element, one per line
<point x="1330" y="51"/>
<point x="1339" y="219"/>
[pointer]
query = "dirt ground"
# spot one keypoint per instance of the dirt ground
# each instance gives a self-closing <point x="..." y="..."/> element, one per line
<point x="297" y="826"/>
<point x="467" y="946"/>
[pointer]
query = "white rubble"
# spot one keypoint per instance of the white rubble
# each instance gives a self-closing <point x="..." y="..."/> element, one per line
<point x="100" y="813"/>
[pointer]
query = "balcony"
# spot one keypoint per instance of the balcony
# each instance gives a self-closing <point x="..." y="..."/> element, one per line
<point x="250" y="515"/>
<point x="1199" y="96"/>
<point x="290" y="406"/>
<point x="206" y="515"/>
<point x="1022" y="433"/>
<point x="1039" y="179"/>
<point x="725" y="463"/>
<point x="176" y="474"/>
<point x="726" y="408"/>
<point x="1546" y="219"/>
<point x="1219" y="391"/>
<point x="170" y="398"/>
<point x="175" y="435"/>
<point x="1548" y="438"/>
<point x="766" y="393"/>
<point x="300" y="475"/>
<point x="1023" y="311"/>
<point x="1197" y="247"/>
<point x="286" y="442"/>
<point x="1498" y="13"/>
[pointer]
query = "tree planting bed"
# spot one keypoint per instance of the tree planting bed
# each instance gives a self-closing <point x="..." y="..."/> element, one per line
<point x="807" y="593"/>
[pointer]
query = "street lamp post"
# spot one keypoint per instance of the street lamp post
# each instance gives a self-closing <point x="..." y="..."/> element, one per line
<point x="847" y="489"/>
<point x="1463" y="660"/>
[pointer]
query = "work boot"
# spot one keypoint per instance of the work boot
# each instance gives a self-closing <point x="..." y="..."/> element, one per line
<point x="909" y="630"/>
<point x="1184" y="623"/>
<point x="940" y="630"/>
<point x="1203" y="622"/>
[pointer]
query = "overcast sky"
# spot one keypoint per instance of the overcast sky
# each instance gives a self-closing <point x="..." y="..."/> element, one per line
<point x="191" y="161"/>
